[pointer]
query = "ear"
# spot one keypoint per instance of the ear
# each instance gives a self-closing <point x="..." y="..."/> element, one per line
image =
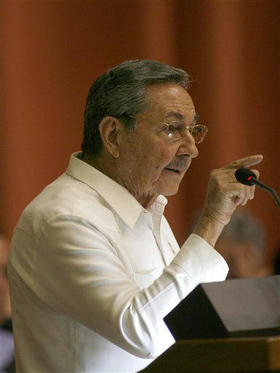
<point x="109" y="129"/>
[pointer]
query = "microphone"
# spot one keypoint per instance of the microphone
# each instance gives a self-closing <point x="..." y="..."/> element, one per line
<point x="248" y="177"/>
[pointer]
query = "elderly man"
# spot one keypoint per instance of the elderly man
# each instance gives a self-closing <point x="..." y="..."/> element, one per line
<point x="94" y="266"/>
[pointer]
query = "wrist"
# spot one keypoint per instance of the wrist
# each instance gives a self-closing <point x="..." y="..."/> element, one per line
<point x="209" y="228"/>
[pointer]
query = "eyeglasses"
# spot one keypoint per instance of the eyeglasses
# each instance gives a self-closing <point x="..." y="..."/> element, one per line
<point x="175" y="131"/>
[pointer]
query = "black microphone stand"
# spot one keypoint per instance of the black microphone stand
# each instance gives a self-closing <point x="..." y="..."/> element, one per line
<point x="270" y="190"/>
<point x="247" y="177"/>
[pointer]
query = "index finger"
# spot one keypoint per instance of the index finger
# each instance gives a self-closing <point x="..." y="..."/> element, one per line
<point x="246" y="162"/>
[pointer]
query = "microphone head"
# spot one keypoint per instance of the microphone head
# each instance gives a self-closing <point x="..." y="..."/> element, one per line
<point x="245" y="176"/>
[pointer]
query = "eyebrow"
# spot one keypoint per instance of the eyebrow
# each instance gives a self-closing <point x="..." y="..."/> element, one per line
<point x="180" y="117"/>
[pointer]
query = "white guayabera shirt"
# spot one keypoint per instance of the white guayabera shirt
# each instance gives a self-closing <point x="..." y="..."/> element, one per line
<point x="92" y="274"/>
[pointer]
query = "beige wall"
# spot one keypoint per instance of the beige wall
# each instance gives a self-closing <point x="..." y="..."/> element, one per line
<point x="51" y="51"/>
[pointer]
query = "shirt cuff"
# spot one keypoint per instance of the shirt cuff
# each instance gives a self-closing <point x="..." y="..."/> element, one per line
<point x="201" y="261"/>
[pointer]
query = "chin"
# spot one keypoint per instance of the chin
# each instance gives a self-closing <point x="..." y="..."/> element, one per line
<point x="169" y="187"/>
<point x="171" y="191"/>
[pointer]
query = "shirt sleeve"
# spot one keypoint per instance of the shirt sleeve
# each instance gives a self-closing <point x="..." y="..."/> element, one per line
<point x="78" y="273"/>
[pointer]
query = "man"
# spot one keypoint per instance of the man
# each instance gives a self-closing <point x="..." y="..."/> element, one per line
<point x="94" y="266"/>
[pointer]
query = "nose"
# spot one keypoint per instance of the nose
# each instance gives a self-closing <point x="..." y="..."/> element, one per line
<point x="188" y="146"/>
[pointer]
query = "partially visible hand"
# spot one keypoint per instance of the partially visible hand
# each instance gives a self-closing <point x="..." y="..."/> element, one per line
<point x="225" y="193"/>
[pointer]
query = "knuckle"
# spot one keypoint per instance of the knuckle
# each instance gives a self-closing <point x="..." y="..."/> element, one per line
<point x="257" y="173"/>
<point x="215" y="173"/>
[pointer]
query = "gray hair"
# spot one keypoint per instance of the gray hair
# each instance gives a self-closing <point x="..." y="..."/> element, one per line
<point x="120" y="93"/>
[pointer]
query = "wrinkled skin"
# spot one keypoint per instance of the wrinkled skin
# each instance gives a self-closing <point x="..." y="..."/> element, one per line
<point x="147" y="165"/>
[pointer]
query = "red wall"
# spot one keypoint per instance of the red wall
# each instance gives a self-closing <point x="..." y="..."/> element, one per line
<point x="51" y="51"/>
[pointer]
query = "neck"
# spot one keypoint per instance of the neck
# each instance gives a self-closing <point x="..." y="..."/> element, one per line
<point x="111" y="169"/>
<point x="98" y="162"/>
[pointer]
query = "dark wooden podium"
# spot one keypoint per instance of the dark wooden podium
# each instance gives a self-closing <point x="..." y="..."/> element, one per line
<point x="225" y="327"/>
<point x="225" y="355"/>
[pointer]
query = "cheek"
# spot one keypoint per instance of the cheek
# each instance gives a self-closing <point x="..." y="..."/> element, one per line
<point x="151" y="157"/>
<point x="157" y="161"/>
<point x="164" y="157"/>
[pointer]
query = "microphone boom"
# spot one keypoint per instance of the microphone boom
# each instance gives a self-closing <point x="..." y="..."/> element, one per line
<point x="247" y="177"/>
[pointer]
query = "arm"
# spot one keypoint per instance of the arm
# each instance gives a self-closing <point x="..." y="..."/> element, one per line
<point x="80" y="274"/>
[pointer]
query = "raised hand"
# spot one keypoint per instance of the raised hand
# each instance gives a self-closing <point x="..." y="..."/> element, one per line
<point x="224" y="194"/>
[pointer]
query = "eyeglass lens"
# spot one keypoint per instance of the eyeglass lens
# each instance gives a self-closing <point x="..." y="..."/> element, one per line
<point x="198" y="132"/>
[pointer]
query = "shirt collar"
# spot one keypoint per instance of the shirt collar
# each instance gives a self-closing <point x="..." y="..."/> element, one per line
<point x="112" y="192"/>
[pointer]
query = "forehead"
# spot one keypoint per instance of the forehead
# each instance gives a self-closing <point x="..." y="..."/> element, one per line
<point x="169" y="101"/>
